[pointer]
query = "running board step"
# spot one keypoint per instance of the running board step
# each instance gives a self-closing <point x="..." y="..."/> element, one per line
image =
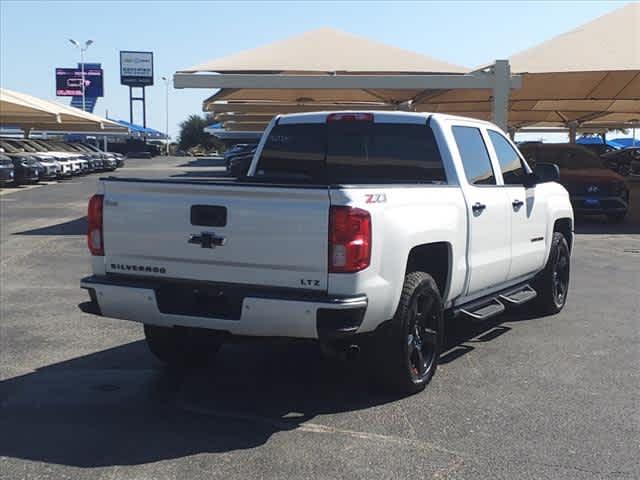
<point x="519" y="296"/>
<point x="485" y="310"/>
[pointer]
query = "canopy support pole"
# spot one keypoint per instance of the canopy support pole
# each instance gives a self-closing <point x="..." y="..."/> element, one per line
<point x="573" y="131"/>
<point x="501" y="89"/>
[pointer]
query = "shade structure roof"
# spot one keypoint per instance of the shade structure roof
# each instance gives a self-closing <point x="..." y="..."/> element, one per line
<point x="274" y="107"/>
<point x="608" y="43"/>
<point x="326" y="50"/>
<point x="589" y="75"/>
<point x="586" y="77"/>
<point x="28" y="112"/>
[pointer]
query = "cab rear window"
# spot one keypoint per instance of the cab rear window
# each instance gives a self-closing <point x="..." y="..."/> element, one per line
<point x="351" y="152"/>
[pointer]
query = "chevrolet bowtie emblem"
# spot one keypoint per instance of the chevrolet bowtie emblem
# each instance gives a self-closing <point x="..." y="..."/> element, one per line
<point x="207" y="240"/>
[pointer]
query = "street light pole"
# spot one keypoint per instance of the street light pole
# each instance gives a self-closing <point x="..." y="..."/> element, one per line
<point x="84" y="108"/>
<point x="82" y="50"/>
<point x="166" y="113"/>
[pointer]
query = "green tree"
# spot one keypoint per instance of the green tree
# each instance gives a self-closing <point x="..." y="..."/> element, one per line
<point x="192" y="133"/>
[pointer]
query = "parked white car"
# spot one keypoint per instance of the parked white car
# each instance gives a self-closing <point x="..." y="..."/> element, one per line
<point x="357" y="229"/>
<point x="69" y="164"/>
<point x="49" y="167"/>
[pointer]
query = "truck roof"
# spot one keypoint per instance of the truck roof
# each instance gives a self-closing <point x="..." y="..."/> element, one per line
<point x="393" y="115"/>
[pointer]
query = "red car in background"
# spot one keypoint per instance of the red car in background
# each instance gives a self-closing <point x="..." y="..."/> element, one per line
<point x="625" y="161"/>
<point x="594" y="189"/>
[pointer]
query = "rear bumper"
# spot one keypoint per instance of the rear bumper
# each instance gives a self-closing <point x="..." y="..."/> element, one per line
<point x="261" y="312"/>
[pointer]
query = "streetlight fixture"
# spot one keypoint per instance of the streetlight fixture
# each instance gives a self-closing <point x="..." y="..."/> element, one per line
<point x="82" y="48"/>
<point x="166" y="113"/>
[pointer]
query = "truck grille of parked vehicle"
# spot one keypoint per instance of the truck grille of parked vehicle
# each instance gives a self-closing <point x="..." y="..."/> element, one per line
<point x="54" y="159"/>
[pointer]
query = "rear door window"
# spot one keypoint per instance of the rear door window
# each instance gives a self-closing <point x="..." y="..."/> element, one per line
<point x="474" y="155"/>
<point x="365" y="152"/>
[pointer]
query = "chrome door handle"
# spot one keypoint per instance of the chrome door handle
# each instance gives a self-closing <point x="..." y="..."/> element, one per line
<point x="478" y="207"/>
<point x="517" y="203"/>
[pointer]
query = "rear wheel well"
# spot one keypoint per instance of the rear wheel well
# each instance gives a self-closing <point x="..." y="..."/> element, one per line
<point x="434" y="259"/>
<point x="564" y="226"/>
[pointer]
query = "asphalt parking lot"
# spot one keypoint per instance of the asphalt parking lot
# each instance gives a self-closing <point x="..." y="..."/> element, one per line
<point x="521" y="398"/>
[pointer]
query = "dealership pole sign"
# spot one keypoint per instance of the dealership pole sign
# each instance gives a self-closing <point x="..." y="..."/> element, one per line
<point x="136" y="69"/>
<point x="69" y="82"/>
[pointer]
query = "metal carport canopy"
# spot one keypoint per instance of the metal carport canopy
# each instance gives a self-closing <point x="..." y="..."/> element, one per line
<point x="589" y="75"/>
<point x="330" y="66"/>
<point x="28" y="112"/>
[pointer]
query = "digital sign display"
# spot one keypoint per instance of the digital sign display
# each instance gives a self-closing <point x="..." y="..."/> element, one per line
<point x="69" y="82"/>
<point x="136" y="69"/>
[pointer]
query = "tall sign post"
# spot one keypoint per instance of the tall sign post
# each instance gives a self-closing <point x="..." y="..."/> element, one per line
<point x="136" y="71"/>
<point x="83" y="48"/>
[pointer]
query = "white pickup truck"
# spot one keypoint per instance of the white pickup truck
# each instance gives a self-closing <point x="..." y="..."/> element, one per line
<point x="351" y="228"/>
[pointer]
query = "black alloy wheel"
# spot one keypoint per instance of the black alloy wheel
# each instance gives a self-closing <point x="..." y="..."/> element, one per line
<point x="560" y="276"/>
<point x="422" y="336"/>
<point x="408" y="346"/>
<point x="552" y="283"/>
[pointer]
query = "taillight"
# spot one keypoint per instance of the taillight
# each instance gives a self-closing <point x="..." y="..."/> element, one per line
<point x="95" y="240"/>
<point x="350" y="117"/>
<point x="349" y="239"/>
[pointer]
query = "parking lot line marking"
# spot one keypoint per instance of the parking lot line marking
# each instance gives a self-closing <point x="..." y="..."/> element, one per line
<point x="323" y="429"/>
<point x="21" y="188"/>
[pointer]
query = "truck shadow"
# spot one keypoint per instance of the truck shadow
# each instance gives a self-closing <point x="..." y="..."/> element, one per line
<point x="462" y="334"/>
<point x="117" y="407"/>
<point x="71" y="227"/>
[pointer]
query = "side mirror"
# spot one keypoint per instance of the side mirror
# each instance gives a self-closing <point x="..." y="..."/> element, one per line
<point x="546" y="172"/>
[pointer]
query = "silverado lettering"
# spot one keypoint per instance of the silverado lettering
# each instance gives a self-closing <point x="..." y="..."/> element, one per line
<point x="137" y="268"/>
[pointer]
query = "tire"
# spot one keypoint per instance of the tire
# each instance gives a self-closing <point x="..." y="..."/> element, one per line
<point x="616" y="217"/>
<point x="408" y="347"/>
<point x="552" y="284"/>
<point x="181" y="347"/>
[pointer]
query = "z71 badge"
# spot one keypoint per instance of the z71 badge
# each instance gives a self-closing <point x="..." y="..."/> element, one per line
<point x="375" y="198"/>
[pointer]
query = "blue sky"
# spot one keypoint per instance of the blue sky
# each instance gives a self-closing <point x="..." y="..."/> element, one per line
<point x="33" y="36"/>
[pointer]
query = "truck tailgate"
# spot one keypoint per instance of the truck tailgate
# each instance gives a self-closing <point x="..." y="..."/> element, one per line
<point x="272" y="236"/>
